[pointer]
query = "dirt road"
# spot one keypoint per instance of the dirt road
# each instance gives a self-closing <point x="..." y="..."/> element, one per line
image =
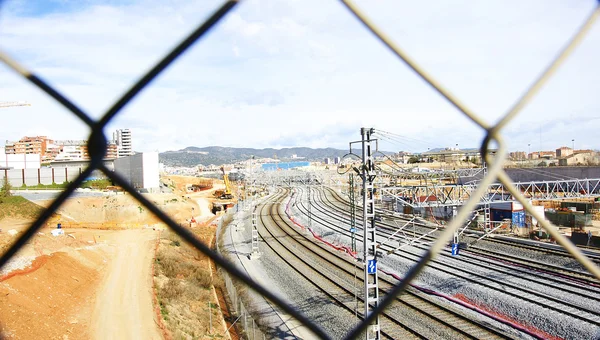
<point x="123" y="307"/>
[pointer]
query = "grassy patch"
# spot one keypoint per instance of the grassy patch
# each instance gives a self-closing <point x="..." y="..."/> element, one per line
<point x="53" y="186"/>
<point x="17" y="206"/>
<point x="99" y="184"/>
<point x="185" y="290"/>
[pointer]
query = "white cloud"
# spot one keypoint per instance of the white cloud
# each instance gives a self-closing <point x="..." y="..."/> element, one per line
<point x="302" y="73"/>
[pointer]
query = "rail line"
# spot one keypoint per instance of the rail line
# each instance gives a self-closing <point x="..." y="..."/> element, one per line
<point x="593" y="255"/>
<point x="529" y="295"/>
<point x="429" y="312"/>
<point x="549" y="268"/>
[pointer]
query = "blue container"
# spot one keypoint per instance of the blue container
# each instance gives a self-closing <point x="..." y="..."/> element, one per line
<point x="518" y="219"/>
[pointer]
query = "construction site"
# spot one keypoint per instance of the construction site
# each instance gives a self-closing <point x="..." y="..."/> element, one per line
<point x="85" y="254"/>
<point x="366" y="234"/>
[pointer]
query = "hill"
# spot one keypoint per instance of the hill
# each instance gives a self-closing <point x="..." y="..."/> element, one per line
<point x="192" y="156"/>
<point x="18" y="207"/>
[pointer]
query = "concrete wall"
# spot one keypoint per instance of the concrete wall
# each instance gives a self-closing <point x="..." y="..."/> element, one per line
<point x="30" y="177"/>
<point x="21" y="161"/>
<point x="109" y="163"/>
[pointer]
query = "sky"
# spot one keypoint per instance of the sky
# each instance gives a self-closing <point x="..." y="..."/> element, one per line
<point x="303" y="72"/>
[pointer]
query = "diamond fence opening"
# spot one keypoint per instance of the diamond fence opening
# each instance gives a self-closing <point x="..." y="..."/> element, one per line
<point x="97" y="150"/>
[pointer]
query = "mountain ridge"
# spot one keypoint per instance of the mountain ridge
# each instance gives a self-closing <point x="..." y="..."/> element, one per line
<point x="193" y="156"/>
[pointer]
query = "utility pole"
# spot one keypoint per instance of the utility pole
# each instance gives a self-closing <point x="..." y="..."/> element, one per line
<point x="255" y="250"/>
<point x="371" y="288"/>
<point x="487" y="225"/>
<point x="352" y="211"/>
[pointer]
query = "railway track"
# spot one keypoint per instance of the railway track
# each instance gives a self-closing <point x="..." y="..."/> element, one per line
<point x="424" y="309"/>
<point x="576" y="275"/>
<point x="592" y="253"/>
<point x="557" y="305"/>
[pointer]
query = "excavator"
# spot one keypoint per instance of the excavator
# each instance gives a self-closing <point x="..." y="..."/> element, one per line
<point x="226" y="195"/>
<point x="222" y="194"/>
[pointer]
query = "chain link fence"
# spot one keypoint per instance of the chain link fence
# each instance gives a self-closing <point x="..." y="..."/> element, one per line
<point x="97" y="150"/>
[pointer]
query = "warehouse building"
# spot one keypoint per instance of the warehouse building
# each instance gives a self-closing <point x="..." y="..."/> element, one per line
<point x="140" y="170"/>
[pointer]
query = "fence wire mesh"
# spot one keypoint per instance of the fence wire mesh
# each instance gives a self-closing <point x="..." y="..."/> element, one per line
<point x="97" y="151"/>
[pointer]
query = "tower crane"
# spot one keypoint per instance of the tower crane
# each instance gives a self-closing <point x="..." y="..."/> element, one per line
<point x="11" y="104"/>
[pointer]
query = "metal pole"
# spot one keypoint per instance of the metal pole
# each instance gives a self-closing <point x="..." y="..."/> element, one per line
<point x="209" y="317"/>
<point x="352" y="212"/>
<point x="371" y="288"/>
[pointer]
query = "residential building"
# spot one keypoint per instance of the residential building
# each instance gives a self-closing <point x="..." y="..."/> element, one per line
<point x="402" y="157"/>
<point x="111" y="150"/>
<point x="52" y="150"/>
<point x="27" y="145"/>
<point x="71" y="149"/>
<point x="517" y="155"/>
<point x="123" y="140"/>
<point x="579" y="158"/>
<point x="542" y="154"/>
<point x="563" y="151"/>
<point x="70" y="153"/>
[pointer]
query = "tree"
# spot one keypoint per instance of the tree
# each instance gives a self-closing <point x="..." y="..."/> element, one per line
<point x="413" y="160"/>
<point x="6" y="188"/>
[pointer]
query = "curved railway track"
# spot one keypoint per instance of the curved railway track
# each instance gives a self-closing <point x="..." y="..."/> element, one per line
<point x="555" y="304"/>
<point x="577" y="275"/>
<point x="289" y="243"/>
<point x="593" y="255"/>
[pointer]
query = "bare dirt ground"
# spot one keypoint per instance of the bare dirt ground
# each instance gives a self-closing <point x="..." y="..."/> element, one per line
<point x="96" y="280"/>
<point x="93" y="283"/>
<point x="123" y="308"/>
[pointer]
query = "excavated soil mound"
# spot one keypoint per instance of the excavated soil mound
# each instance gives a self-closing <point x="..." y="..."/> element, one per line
<point x="51" y="299"/>
<point x="120" y="211"/>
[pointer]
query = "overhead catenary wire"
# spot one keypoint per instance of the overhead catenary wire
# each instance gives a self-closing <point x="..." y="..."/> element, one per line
<point x="408" y="143"/>
<point x="398" y="136"/>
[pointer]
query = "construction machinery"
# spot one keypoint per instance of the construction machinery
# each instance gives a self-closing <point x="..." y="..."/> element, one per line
<point x="226" y="195"/>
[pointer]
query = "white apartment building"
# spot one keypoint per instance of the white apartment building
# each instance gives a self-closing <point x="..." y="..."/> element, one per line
<point x="70" y="153"/>
<point x="123" y="139"/>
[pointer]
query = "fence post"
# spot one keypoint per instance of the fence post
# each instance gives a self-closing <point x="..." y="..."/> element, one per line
<point x="23" y="176"/>
<point x="66" y="175"/>
<point x="53" y="176"/>
<point x="209" y="317"/>
<point x="245" y="320"/>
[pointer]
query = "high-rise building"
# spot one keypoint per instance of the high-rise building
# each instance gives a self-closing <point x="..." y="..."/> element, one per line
<point x="122" y="138"/>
